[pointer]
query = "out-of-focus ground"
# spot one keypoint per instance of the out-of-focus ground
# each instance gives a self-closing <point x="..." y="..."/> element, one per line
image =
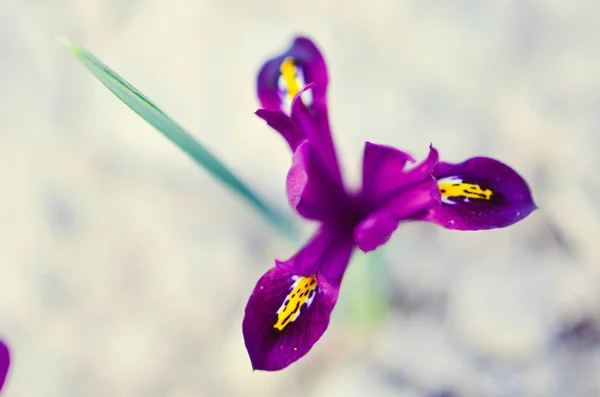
<point x="124" y="268"/>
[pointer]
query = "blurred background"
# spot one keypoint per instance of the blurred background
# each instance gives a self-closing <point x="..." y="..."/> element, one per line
<point x="125" y="268"/>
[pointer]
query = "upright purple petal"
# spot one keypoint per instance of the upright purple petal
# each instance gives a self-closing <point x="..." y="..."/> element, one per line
<point x="4" y="362"/>
<point x="282" y="123"/>
<point x="384" y="172"/>
<point x="285" y="316"/>
<point x="315" y="126"/>
<point x="382" y="167"/>
<point x="310" y="189"/>
<point x="283" y="85"/>
<point x="282" y="77"/>
<point x="480" y="193"/>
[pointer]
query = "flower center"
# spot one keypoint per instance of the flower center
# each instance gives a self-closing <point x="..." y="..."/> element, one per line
<point x="302" y="293"/>
<point x="454" y="187"/>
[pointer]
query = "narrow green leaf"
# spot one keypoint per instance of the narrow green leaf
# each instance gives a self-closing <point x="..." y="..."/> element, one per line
<point x="147" y="110"/>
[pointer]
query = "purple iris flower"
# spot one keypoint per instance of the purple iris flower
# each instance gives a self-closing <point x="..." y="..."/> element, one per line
<point x="4" y="362"/>
<point x="290" y="306"/>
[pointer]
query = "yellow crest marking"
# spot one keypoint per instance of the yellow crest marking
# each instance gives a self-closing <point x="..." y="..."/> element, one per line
<point x="288" y="71"/>
<point x="302" y="294"/>
<point x="456" y="188"/>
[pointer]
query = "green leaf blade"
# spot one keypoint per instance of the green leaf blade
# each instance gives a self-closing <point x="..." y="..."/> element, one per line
<point x="153" y="115"/>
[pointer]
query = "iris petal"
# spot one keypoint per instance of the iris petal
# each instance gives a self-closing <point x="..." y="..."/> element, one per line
<point x="290" y="306"/>
<point x="4" y="362"/>
<point x="273" y="342"/>
<point x="309" y="67"/>
<point x="295" y="83"/>
<point x="310" y="189"/>
<point x="480" y="193"/>
<point x="375" y="230"/>
<point x="382" y="166"/>
<point x="307" y="261"/>
<point x="409" y="203"/>
<point x="315" y="125"/>
<point x="384" y="172"/>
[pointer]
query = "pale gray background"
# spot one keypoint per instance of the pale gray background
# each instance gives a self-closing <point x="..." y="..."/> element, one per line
<point x="125" y="268"/>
